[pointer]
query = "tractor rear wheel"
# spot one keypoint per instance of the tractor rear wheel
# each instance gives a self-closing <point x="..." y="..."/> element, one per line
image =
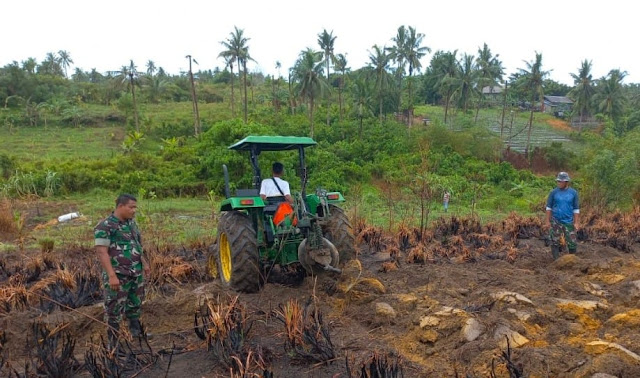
<point x="339" y="231"/>
<point x="236" y="253"/>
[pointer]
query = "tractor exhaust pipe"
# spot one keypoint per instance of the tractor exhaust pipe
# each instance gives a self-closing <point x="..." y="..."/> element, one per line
<point x="227" y="192"/>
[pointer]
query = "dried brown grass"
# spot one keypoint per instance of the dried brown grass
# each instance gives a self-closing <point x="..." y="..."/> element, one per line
<point x="7" y="219"/>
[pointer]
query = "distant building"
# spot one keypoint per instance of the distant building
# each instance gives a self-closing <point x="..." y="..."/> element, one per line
<point x="492" y="93"/>
<point x="559" y="106"/>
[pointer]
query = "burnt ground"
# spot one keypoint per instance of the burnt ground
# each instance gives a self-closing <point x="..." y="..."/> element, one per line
<point x="439" y="315"/>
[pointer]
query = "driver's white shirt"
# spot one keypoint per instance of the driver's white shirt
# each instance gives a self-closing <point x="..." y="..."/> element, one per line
<point x="269" y="189"/>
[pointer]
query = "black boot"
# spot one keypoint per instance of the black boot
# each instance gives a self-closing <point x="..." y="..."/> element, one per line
<point x="113" y="332"/>
<point x="555" y="251"/>
<point x="135" y="328"/>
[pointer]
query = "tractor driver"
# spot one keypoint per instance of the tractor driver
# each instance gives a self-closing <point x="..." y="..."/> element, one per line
<point x="275" y="186"/>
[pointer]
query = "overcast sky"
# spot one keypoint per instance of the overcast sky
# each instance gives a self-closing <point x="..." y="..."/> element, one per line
<point x="105" y="35"/>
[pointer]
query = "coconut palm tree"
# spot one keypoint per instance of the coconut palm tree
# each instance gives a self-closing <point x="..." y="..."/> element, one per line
<point x="326" y="41"/>
<point x="467" y="81"/>
<point x="64" y="58"/>
<point x="228" y="60"/>
<point x="445" y="68"/>
<point x="414" y="51"/>
<point x="582" y="93"/>
<point x="237" y="51"/>
<point x="341" y="66"/>
<point x="609" y="98"/>
<point x="151" y="67"/>
<point x="490" y="71"/>
<point x="50" y="65"/>
<point x="243" y="59"/>
<point x="129" y="74"/>
<point x="30" y="65"/>
<point x="308" y="73"/>
<point x="379" y="64"/>
<point x="361" y="95"/>
<point x="398" y="54"/>
<point x="533" y="78"/>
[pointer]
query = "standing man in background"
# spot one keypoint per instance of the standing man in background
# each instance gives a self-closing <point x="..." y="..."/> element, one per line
<point x="445" y="200"/>
<point x="119" y="249"/>
<point x="563" y="211"/>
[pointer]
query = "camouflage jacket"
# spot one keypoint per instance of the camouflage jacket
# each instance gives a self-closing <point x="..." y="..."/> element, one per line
<point x="124" y="244"/>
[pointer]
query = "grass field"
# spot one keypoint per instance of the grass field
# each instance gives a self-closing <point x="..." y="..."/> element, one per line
<point x="61" y="143"/>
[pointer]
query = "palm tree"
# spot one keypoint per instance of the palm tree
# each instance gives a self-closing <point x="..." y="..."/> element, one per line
<point x="341" y="65"/>
<point x="379" y="64"/>
<point x="244" y="58"/>
<point x="445" y="68"/>
<point x="308" y="72"/>
<point x="361" y="95"/>
<point x="151" y="67"/>
<point x="582" y="93"/>
<point x="194" y="98"/>
<point x="414" y="51"/>
<point x="50" y="65"/>
<point x="466" y="82"/>
<point x="30" y="65"/>
<point x="609" y="98"/>
<point x="237" y="51"/>
<point x="533" y="78"/>
<point x="228" y="60"/>
<point x="64" y="58"/>
<point x="326" y="41"/>
<point x="490" y="71"/>
<point x="398" y="54"/>
<point x="129" y="74"/>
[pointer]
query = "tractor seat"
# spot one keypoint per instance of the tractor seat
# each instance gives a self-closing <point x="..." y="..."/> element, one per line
<point x="247" y="193"/>
<point x="275" y="200"/>
<point x="272" y="203"/>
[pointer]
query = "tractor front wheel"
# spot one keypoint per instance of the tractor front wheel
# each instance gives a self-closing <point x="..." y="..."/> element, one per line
<point x="339" y="231"/>
<point x="236" y="254"/>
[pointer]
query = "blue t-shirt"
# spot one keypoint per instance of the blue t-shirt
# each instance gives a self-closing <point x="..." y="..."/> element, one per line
<point x="563" y="204"/>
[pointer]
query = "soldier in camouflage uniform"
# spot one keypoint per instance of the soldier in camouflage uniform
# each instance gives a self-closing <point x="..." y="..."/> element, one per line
<point x="119" y="249"/>
<point x="562" y="213"/>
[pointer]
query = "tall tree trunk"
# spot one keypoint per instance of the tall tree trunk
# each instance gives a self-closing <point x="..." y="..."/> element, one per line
<point x="135" y="105"/>
<point x="311" y="115"/>
<point x="244" y="75"/>
<point x="504" y="108"/>
<point x="328" y="97"/>
<point x="410" y="101"/>
<point x="526" y="148"/>
<point x="340" y="88"/>
<point x="380" y="115"/>
<point x="194" y="98"/>
<point x="446" y="107"/>
<point x="233" y="109"/>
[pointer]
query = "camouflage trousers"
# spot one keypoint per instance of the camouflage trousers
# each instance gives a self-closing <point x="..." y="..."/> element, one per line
<point x="127" y="300"/>
<point x="562" y="234"/>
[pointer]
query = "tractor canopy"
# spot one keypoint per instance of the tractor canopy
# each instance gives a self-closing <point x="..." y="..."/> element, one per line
<point x="272" y="143"/>
<point x="255" y="144"/>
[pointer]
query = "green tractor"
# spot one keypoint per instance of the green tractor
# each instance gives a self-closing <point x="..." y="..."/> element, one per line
<point x="252" y="249"/>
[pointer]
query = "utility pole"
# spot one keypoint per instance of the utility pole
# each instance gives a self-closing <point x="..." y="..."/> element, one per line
<point x="196" y="114"/>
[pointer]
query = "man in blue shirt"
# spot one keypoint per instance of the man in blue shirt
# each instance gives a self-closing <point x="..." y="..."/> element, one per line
<point x="562" y="213"/>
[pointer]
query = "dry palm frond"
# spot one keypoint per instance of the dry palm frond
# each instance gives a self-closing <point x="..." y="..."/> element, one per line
<point x="512" y="253"/>
<point x="388" y="266"/>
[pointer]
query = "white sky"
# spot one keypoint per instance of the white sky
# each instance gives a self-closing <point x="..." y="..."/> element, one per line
<point x="106" y="34"/>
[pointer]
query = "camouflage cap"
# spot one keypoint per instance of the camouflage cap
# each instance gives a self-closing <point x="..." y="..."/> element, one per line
<point x="563" y="176"/>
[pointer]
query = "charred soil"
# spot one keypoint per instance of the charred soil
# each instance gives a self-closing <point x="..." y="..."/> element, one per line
<point x="461" y="299"/>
